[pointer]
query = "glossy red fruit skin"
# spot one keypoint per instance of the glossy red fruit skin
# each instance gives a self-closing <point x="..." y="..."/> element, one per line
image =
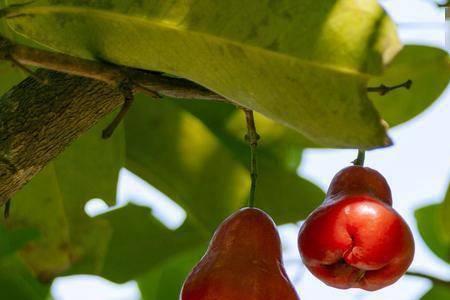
<point x="360" y="180"/>
<point x="355" y="239"/>
<point x="243" y="262"/>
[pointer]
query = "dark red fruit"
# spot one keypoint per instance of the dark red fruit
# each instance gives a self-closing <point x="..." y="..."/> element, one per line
<point x="243" y="262"/>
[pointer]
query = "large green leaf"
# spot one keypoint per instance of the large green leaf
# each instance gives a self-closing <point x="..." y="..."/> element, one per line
<point x="429" y="70"/>
<point x="53" y="203"/>
<point x="16" y="280"/>
<point x="305" y="64"/>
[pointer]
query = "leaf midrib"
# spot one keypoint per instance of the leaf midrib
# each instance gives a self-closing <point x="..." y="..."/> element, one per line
<point x="42" y="10"/>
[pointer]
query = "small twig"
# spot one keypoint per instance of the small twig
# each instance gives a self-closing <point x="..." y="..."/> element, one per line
<point x="148" y="91"/>
<point x="431" y="278"/>
<point x="252" y="138"/>
<point x="383" y="89"/>
<point x="359" y="161"/>
<point x="27" y="70"/>
<point x="126" y="88"/>
<point x="7" y="209"/>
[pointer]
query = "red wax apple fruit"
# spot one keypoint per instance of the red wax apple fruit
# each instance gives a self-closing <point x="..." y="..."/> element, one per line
<point x="355" y="239"/>
<point x="243" y="262"/>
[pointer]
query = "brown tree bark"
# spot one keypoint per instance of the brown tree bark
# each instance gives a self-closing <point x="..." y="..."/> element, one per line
<point x="38" y="121"/>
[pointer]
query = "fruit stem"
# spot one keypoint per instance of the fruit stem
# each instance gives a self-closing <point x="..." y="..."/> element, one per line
<point x="252" y="138"/>
<point x="359" y="161"/>
<point x="126" y="88"/>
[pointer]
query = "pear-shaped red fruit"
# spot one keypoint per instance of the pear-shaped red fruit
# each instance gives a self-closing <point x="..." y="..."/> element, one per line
<point x="243" y="262"/>
<point x="355" y="239"/>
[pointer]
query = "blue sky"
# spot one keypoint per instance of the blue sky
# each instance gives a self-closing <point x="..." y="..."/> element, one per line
<point x="417" y="168"/>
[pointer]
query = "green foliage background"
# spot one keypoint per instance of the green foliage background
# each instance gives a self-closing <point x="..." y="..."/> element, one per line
<point x="303" y="66"/>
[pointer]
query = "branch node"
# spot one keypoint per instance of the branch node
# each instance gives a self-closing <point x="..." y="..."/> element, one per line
<point x="126" y="88"/>
<point x="383" y="89"/>
<point x="359" y="161"/>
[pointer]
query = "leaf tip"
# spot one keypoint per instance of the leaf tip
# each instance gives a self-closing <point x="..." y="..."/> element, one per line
<point x="388" y="141"/>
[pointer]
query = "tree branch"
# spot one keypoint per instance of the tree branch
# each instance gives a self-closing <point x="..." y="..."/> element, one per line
<point x="144" y="81"/>
<point x="38" y="121"/>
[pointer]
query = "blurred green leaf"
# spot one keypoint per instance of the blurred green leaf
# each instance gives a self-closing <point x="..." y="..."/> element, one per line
<point x="438" y="292"/>
<point x="446" y="213"/>
<point x="177" y="154"/>
<point x="204" y="169"/>
<point x="278" y="143"/>
<point x="166" y="282"/>
<point x="294" y="63"/>
<point x="433" y="222"/>
<point x="139" y="242"/>
<point x="431" y="227"/>
<point x="9" y="76"/>
<point x="279" y="151"/>
<point x="204" y="173"/>
<point x="53" y="203"/>
<point x="429" y="70"/>
<point x="13" y="240"/>
<point x="434" y="227"/>
<point x="16" y="282"/>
